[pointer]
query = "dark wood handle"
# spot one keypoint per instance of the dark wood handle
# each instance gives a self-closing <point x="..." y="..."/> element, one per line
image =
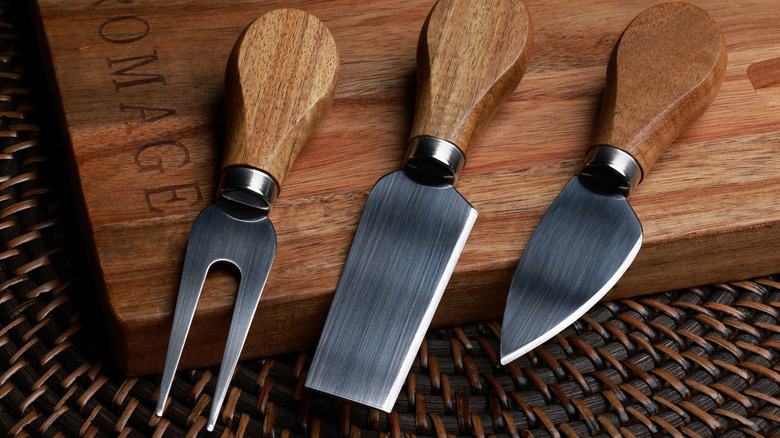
<point x="280" y="81"/>
<point x="471" y="56"/>
<point x="665" y="70"/>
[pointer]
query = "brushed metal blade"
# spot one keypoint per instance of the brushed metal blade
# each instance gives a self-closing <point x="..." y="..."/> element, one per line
<point x="223" y="232"/>
<point x="405" y="249"/>
<point x="582" y="246"/>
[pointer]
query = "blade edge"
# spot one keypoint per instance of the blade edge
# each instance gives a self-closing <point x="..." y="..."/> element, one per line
<point x="428" y="316"/>
<point x="509" y="357"/>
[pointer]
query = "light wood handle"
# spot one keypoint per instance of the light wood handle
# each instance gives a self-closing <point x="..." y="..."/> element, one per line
<point x="470" y="57"/>
<point x="280" y="81"/>
<point x="665" y="70"/>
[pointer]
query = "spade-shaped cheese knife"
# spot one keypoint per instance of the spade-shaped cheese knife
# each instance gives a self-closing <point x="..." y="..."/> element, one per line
<point x="665" y="70"/>
<point x="471" y="56"/>
<point x="280" y="81"/>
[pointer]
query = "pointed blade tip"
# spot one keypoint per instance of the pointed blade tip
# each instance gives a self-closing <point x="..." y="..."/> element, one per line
<point x="515" y="353"/>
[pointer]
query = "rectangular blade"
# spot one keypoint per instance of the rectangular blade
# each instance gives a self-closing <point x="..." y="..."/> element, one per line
<point x="582" y="246"/>
<point x="409" y="238"/>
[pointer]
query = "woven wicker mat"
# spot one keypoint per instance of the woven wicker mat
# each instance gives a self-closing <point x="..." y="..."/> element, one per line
<point x="698" y="362"/>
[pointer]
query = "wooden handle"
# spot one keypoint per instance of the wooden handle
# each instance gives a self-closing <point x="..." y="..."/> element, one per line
<point x="470" y="57"/>
<point x="665" y="70"/>
<point x="280" y="81"/>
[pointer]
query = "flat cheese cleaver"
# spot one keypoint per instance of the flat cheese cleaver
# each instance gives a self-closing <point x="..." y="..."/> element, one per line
<point x="470" y="57"/>
<point x="280" y="81"/>
<point x="665" y="70"/>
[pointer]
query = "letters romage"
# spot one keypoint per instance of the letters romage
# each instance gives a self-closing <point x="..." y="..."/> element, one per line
<point x="127" y="72"/>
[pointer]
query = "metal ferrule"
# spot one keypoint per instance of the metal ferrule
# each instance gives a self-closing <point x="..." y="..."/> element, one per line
<point x="612" y="166"/>
<point x="248" y="186"/>
<point x="435" y="157"/>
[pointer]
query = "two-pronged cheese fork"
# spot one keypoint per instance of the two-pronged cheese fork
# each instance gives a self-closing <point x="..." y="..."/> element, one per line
<point x="280" y="81"/>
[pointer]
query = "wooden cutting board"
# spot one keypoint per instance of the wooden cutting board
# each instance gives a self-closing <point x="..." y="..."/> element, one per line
<point x="140" y="85"/>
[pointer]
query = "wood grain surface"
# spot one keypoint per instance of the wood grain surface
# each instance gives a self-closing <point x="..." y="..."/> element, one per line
<point x="270" y="113"/>
<point x="141" y="92"/>
<point x="467" y="66"/>
<point x="662" y="75"/>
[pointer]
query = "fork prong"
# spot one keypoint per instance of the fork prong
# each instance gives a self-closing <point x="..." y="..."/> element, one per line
<point x="196" y="267"/>
<point x="247" y="298"/>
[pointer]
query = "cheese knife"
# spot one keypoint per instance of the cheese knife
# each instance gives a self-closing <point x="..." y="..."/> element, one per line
<point x="471" y="55"/>
<point x="665" y="70"/>
<point x="280" y="81"/>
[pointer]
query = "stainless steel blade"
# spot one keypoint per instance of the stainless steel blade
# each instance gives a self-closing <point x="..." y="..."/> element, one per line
<point x="223" y="232"/>
<point x="409" y="238"/>
<point x="582" y="246"/>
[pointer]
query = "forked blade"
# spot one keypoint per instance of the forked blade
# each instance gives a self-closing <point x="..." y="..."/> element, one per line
<point x="231" y="233"/>
<point x="409" y="238"/>
<point x="582" y="246"/>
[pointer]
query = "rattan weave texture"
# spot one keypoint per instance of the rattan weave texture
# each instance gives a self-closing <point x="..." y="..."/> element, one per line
<point x="698" y="362"/>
